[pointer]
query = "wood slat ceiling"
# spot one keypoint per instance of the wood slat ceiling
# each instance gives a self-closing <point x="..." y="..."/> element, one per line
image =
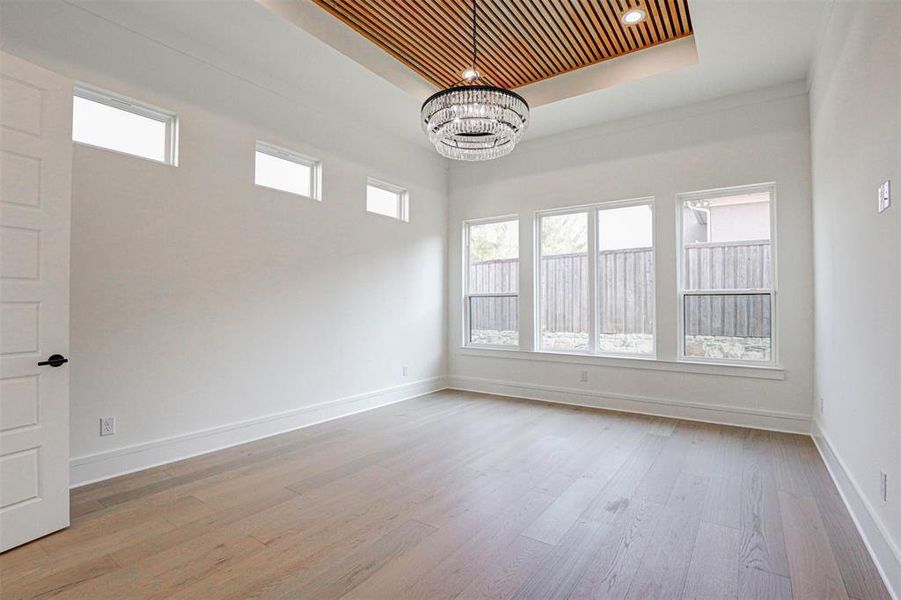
<point x="520" y="41"/>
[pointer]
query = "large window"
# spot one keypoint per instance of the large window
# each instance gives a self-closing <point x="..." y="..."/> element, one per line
<point x="595" y="279"/>
<point x="114" y="122"/>
<point x="727" y="276"/>
<point x="491" y="302"/>
<point x="564" y="291"/>
<point x="285" y="170"/>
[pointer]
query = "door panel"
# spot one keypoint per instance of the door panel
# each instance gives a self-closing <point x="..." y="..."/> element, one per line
<point x="35" y="188"/>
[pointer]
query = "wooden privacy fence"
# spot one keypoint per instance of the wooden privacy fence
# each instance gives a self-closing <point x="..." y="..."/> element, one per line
<point x="626" y="289"/>
<point x="626" y="286"/>
<point x="728" y="265"/>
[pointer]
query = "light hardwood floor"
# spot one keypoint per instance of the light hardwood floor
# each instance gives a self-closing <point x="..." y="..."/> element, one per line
<point x="459" y="495"/>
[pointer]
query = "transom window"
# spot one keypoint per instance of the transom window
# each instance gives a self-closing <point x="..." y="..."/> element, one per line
<point x="491" y="302"/>
<point x="387" y="199"/>
<point x="595" y="278"/>
<point x="287" y="171"/>
<point x="727" y="275"/>
<point x="114" y="122"/>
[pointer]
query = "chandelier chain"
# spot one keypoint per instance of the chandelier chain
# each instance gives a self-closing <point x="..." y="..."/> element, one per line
<point x="475" y="39"/>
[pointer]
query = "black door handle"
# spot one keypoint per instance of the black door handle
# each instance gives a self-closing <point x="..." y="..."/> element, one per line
<point x="57" y="360"/>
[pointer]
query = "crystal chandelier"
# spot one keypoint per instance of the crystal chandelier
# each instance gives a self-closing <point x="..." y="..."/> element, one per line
<point x="474" y="119"/>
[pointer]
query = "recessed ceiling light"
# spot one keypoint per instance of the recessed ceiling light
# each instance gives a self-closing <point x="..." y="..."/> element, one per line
<point x="634" y="16"/>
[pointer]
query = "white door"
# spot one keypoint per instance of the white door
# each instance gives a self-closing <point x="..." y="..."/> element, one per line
<point x="35" y="182"/>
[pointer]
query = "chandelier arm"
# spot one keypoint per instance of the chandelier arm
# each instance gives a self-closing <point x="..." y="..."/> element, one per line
<point x="483" y="80"/>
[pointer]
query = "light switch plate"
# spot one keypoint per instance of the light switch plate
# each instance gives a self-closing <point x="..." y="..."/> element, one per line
<point x="884" y="195"/>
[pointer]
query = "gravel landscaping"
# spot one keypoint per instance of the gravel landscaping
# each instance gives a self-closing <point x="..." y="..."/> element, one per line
<point x="696" y="346"/>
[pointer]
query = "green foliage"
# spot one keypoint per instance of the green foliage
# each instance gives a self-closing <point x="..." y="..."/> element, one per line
<point x="494" y="241"/>
<point x="564" y="234"/>
<point x="560" y="234"/>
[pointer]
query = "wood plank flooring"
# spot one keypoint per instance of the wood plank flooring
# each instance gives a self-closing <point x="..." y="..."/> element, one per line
<point x="459" y="495"/>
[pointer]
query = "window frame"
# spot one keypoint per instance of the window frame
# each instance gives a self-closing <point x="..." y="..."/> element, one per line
<point x="403" y="199"/>
<point x="772" y="291"/>
<point x="594" y="298"/>
<point x="136" y="107"/>
<point x="314" y="164"/>
<point x="466" y="296"/>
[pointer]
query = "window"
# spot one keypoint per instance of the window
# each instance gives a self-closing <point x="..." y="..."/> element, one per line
<point x="596" y="279"/>
<point x="564" y="292"/>
<point x="626" y="289"/>
<point x="117" y="123"/>
<point x="491" y="303"/>
<point x="386" y="199"/>
<point x="726" y="275"/>
<point x="287" y="171"/>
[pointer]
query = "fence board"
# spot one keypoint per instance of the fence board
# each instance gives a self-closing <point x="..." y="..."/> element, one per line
<point x="626" y="291"/>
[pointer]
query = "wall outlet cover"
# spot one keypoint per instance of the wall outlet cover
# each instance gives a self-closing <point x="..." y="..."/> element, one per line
<point x="107" y="426"/>
<point x="883" y="486"/>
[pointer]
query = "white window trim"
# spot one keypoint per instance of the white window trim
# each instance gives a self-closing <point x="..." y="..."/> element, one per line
<point x="120" y="102"/>
<point x="314" y="164"/>
<point x="403" y="199"/>
<point x="681" y="198"/>
<point x="465" y="279"/>
<point x="751" y="371"/>
<point x="593" y="211"/>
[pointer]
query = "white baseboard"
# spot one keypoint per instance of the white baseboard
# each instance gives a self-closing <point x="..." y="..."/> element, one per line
<point x="884" y="551"/>
<point x="103" y="465"/>
<point x="660" y="407"/>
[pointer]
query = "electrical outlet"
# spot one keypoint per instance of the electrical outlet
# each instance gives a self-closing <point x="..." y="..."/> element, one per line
<point x="883" y="486"/>
<point x="108" y="426"/>
<point x="884" y="196"/>
<point x="821" y="405"/>
<point x="406" y="370"/>
<point x="583" y="376"/>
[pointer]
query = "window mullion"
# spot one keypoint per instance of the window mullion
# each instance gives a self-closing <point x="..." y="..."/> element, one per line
<point x="466" y="269"/>
<point x="593" y="296"/>
<point x="537" y="282"/>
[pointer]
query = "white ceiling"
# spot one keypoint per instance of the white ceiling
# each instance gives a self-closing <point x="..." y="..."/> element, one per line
<point x="742" y="45"/>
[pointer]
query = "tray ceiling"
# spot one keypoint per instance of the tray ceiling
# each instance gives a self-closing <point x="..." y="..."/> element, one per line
<point x="520" y="41"/>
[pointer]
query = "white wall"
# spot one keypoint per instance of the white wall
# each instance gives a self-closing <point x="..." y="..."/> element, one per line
<point x="738" y="140"/>
<point x="856" y="145"/>
<point x="199" y="300"/>
<point x="740" y="222"/>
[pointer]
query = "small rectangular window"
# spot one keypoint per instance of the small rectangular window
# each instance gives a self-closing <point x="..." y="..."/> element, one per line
<point x="288" y="171"/>
<point x="727" y="283"/>
<point x="491" y="303"/>
<point x="387" y="199"/>
<point x="124" y="125"/>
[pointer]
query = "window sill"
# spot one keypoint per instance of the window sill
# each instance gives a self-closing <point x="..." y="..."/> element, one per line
<point x="165" y="163"/>
<point x="636" y="362"/>
<point x="289" y="192"/>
